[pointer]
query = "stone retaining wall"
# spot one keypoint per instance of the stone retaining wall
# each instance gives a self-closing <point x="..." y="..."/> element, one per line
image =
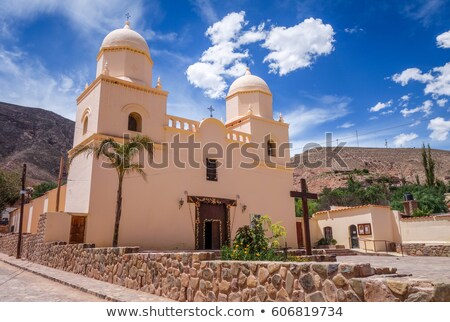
<point x="422" y="249"/>
<point x="191" y="276"/>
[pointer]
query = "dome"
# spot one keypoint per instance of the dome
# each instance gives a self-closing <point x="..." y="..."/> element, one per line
<point x="126" y="37"/>
<point x="248" y="82"/>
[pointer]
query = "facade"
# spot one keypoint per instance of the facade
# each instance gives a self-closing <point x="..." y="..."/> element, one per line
<point x="181" y="204"/>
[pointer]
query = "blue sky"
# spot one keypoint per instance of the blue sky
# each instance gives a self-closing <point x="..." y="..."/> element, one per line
<point x="375" y="67"/>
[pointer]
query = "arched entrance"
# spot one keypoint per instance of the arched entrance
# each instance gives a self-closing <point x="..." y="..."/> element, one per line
<point x="354" y="241"/>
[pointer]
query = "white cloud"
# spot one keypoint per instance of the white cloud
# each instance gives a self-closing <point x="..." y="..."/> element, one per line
<point x="440" y="84"/>
<point x="402" y="139"/>
<point x="411" y="74"/>
<point x="346" y="125"/>
<point x="298" y="46"/>
<point x="425" y="108"/>
<point x="441" y="102"/>
<point x="25" y="81"/>
<point x="440" y="129"/>
<point x="443" y="40"/>
<point x="255" y="34"/>
<point x="353" y="30"/>
<point x="226" y="29"/>
<point x="379" y="106"/>
<point x="405" y="98"/>
<point x="303" y="118"/>
<point x="415" y="123"/>
<point x="206" y="10"/>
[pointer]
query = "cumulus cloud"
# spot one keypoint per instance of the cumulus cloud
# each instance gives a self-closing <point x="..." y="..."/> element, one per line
<point x="379" y="106"/>
<point x="411" y="74"/>
<point x="298" y="46"/>
<point x="440" y="84"/>
<point x="290" y="49"/>
<point x="425" y="108"/>
<point x="415" y="123"/>
<point x="439" y="128"/>
<point x="402" y="139"/>
<point x="443" y="40"/>
<point x="346" y="125"/>
<point x="441" y="102"/>
<point x="353" y="30"/>
<point x="405" y="98"/>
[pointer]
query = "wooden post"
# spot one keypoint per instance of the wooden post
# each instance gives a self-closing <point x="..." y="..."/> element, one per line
<point x="58" y="191"/>
<point x="304" y="195"/>
<point x="22" y="202"/>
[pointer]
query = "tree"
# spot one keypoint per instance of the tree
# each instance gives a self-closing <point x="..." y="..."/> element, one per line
<point x="121" y="156"/>
<point x="10" y="186"/>
<point x="428" y="164"/>
<point x="42" y="188"/>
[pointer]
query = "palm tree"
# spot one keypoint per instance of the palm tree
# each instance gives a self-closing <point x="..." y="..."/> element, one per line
<point x="120" y="157"/>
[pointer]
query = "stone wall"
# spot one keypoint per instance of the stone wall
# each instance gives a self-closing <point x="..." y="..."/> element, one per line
<point x="422" y="249"/>
<point x="196" y="276"/>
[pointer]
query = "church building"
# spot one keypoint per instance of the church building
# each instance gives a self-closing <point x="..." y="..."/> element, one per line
<point x="242" y="161"/>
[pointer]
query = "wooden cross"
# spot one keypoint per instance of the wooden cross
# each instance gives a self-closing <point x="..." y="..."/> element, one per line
<point x="305" y="195"/>
<point x="211" y="109"/>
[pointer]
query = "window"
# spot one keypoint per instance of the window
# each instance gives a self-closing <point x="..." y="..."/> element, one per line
<point x="211" y="169"/>
<point x="328" y="233"/>
<point x="364" y="229"/>
<point x="134" y="122"/>
<point x="85" y="125"/>
<point x="271" y="148"/>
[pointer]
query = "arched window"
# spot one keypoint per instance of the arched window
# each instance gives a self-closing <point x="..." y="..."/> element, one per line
<point x="328" y="233"/>
<point x="271" y="148"/>
<point x="85" y="124"/>
<point x="134" y="122"/>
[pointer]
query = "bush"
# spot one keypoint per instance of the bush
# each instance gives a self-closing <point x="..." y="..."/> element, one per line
<point x="326" y="242"/>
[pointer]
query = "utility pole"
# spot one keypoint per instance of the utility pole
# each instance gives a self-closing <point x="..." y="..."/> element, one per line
<point x="357" y="138"/>
<point x="58" y="191"/>
<point x="22" y="202"/>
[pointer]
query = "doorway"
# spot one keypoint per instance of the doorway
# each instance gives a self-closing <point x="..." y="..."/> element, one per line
<point x="213" y="237"/>
<point x="77" y="228"/>
<point x="354" y="240"/>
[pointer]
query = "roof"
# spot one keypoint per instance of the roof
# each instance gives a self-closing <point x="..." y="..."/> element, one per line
<point x="125" y="37"/>
<point x="248" y="82"/>
<point x="349" y="208"/>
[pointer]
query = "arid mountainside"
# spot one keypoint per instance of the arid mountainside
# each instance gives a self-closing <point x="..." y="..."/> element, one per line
<point x="34" y="136"/>
<point x="367" y="164"/>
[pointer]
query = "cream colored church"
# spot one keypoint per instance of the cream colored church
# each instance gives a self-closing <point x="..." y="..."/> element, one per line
<point x="176" y="207"/>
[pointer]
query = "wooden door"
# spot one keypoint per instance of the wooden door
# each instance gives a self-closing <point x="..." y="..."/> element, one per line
<point x="300" y="235"/>
<point x="212" y="226"/>
<point x="354" y="240"/>
<point x="77" y="229"/>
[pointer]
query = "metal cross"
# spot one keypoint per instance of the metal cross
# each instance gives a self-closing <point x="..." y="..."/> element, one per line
<point x="211" y="109"/>
<point x="128" y="16"/>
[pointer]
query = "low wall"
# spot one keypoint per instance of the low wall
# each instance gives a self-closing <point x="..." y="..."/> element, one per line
<point x="422" y="249"/>
<point x="198" y="277"/>
<point x="429" y="229"/>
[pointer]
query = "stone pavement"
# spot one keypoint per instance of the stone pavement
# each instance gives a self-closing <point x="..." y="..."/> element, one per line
<point x="436" y="269"/>
<point x="18" y="283"/>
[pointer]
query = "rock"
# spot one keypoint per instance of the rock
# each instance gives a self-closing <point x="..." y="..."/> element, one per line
<point x="295" y="269"/>
<point x="305" y="267"/>
<point x="317" y="280"/>
<point x="261" y="293"/>
<point x="347" y="270"/>
<point x="376" y="291"/>
<point x="226" y="274"/>
<point x="263" y="274"/>
<point x="282" y="296"/>
<point x="320" y="269"/>
<point x="419" y="297"/>
<point x="282" y="272"/>
<point x="273" y="267"/>
<point x="252" y="281"/>
<point x="351" y="296"/>
<point x="242" y="279"/>
<point x="397" y="287"/>
<point x="332" y="268"/>
<point x="339" y="280"/>
<point x="222" y="297"/>
<point x="330" y="291"/>
<point x="357" y="286"/>
<point x="189" y="294"/>
<point x="341" y="296"/>
<point x="364" y="270"/>
<point x="184" y="280"/>
<point x="234" y="269"/>
<point x="315" y="297"/>
<point x="199" y="297"/>
<point x="441" y="293"/>
<point x="224" y="287"/>
<point x="298" y="296"/>
<point x="133" y="272"/>
<point x="207" y="274"/>
<point x="276" y="281"/>
<point x="193" y="272"/>
<point x="193" y="282"/>
<point x="307" y="282"/>
<point x="234" y="297"/>
<point x="246" y="294"/>
<point x="289" y="282"/>
<point x="211" y="296"/>
<point x="271" y="291"/>
<point x="234" y="285"/>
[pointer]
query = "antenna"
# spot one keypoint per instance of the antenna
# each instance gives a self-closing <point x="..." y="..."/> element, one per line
<point x="385" y="143"/>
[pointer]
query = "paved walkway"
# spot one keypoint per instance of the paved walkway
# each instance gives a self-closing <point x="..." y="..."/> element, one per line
<point x="423" y="267"/>
<point x="21" y="280"/>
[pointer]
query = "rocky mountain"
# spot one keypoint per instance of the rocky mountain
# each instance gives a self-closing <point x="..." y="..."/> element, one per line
<point x="34" y="136"/>
<point x="366" y="165"/>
